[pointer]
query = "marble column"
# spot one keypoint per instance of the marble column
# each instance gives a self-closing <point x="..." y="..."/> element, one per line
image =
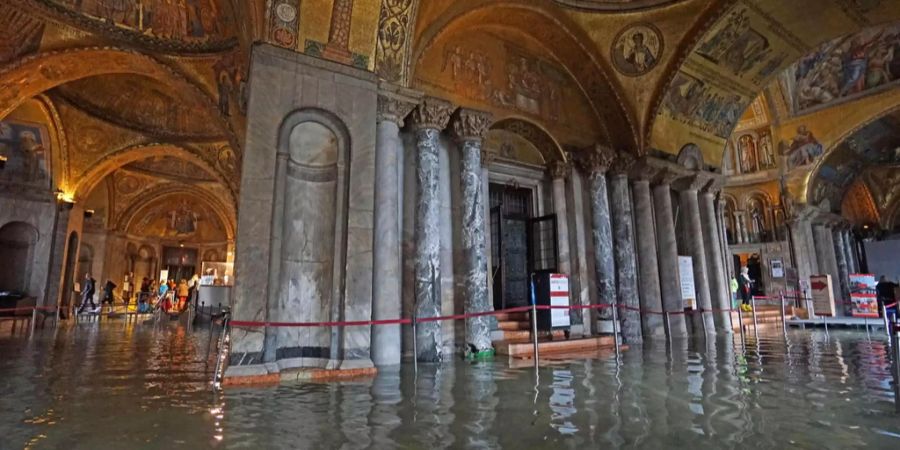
<point x="581" y="280"/>
<point x="487" y="158"/>
<point x="668" y="254"/>
<point x="469" y="127"/>
<point x="429" y="118"/>
<point x="596" y="164"/>
<point x="848" y="252"/>
<point x="852" y="248"/>
<point x="648" y="268"/>
<point x="802" y="254"/>
<point x="386" y="277"/>
<point x="809" y="236"/>
<point x="718" y="290"/>
<point x="696" y="247"/>
<point x="841" y="259"/>
<point x="826" y="260"/>
<point x="724" y="252"/>
<point x="623" y="249"/>
<point x="559" y="170"/>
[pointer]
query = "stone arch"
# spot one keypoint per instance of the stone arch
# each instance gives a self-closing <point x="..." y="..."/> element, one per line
<point x="558" y="35"/>
<point x="542" y="140"/>
<point x="843" y="135"/>
<point x="17" y="244"/>
<point x="225" y="212"/>
<point x="44" y="71"/>
<point x="691" y="157"/>
<point x="112" y="161"/>
<point x="309" y="229"/>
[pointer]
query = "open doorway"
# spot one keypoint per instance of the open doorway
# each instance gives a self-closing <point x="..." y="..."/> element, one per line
<point x="754" y="268"/>
<point x="521" y="244"/>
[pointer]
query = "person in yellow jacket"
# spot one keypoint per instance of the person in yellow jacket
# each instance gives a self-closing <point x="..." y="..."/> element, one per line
<point x="734" y="292"/>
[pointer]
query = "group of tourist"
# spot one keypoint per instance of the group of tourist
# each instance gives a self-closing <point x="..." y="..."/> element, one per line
<point x="167" y="295"/>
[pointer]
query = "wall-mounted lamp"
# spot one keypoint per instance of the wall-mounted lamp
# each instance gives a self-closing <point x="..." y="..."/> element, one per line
<point x="88" y="213"/>
<point x="2" y="162"/>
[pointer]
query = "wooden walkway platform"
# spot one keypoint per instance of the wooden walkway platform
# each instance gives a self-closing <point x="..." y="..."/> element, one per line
<point x="854" y="322"/>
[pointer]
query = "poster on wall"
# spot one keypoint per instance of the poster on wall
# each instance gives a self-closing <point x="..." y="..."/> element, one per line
<point x="686" y="275"/>
<point x="822" y="295"/>
<point x="559" y="296"/>
<point x="777" y="268"/>
<point x="163" y="275"/>
<point x="863" y="295"/>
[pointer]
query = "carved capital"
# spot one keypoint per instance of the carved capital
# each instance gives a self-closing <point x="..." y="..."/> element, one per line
<point x="642" y="171"/>
<point x="623" y="164"/>
<point x="470" y="125"/>
<point x="558" y="169"/>
<point x="394" y="109"/>
<point x="432" y="113"/>
<point x="597" y="162"/>
<point x="715" y="185"/>
<point x="667" y="176"/>
<point x="694" y="182"/>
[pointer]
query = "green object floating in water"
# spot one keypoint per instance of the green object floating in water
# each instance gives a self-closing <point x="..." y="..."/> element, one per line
<point x="483" y="354"/>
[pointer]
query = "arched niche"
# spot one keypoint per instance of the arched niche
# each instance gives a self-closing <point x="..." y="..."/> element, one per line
<point x="310" y="223"/>
<point x="17" y="241"/>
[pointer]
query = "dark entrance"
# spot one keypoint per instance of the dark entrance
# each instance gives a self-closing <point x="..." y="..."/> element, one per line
<point x="754" y="271"/>
<point x="520" y="244"/>
<point x="180" y="262"/>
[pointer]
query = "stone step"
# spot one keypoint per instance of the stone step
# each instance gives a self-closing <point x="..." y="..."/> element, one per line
<point x="516" y="317"/>
<point x="525" y="335"/>
<point x="510" y="325"/>
<point x="526" y="349"/>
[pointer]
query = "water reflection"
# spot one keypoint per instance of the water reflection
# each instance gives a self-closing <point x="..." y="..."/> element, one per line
<point x="131" y="385"/>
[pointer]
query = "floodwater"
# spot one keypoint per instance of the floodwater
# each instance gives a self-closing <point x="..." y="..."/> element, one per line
<point x="111" y="385"/>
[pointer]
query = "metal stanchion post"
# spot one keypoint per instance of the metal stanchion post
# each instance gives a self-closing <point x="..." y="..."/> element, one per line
<point x="755" y="322"/>
<point x="615" y="317"/>
<point x="783" y="323"/>
<point x="887" y="327"/>
<point x="33" y="319"/>
<point x="866" y="322"/>
<point x="668" y="326"/>
<point x="825" y="322"/>
<point x="895" y="344"/>
<point x="703" y="321"/>
<point x="534" y="336"/>
<point x="415" y="342"/>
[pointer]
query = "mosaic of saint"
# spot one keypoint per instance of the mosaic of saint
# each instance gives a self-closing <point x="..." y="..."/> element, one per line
<point x="846" y="68"/>
<point x="803" y="150"/>
<point x="636" y="49"/>
<point x="26" y="149"/>
<point x="699" y="104"/>
<point x="753" y="151"/>
<point x="198" y="20"/>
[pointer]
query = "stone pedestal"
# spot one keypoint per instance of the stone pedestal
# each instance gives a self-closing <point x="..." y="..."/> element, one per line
<point x="429" y="118"/>
<point x="668" y="256"/>
<point x="648" y="268"/>
<point x="623" y="238"/>
<point x="468" y="127"/>
<point x="386" y="349"/>
<point x="695" y="245"/>
<point x="720" y="297"/>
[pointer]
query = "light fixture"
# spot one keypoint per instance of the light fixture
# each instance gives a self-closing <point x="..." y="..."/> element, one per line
<point x="88" y="213"/>
<point x="2" y="162"/>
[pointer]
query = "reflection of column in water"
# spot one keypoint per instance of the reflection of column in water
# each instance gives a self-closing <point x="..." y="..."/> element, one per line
<point x="477" y="407"/>
<point x="386" y="400"/>
<point x="655" y="393"/>
<point x="562" y="402"/>
<point x="733" y="421"/>
<point x="677" y="404"/>
<point x="433" y="404"/>
<point x="709" y="389"/>
<point x="590" y="400"/>
<point x="633" y="409"/>
<point x="355" y="402"/>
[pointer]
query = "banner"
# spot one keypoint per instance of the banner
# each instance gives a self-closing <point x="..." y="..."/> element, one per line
<point x="686" y="275"/>
<point x="822" y="295"/>
<point x="863" y="295"/>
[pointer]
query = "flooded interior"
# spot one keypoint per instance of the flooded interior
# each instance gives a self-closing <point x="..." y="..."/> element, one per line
<point x="117" y="385"/>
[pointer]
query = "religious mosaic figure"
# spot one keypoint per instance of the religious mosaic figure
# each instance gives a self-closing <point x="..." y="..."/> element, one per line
<point x="23" y="146"/>
<point x="636" y="49"/>
<point x="181" y="221"/>
<point x="803" y="149"/>
<point x="747" y="148"/>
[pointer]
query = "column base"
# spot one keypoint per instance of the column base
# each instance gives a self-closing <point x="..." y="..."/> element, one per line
<point x="275" y="373"/>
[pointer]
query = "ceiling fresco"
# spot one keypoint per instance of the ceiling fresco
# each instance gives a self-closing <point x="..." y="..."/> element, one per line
<point x="614" y="5"/>
<point x="171" y="167"/>
<point x="143" y="104"/>
<point x="183" y="25"/>
<point x="874" y="152"/>
<point x="844" y="69"/>
<point x="178" y="216"/>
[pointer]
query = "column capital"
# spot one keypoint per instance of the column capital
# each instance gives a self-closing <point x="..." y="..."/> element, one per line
<point x="597" y="161"/>
<point x="559" y="169"/>
<point x="395" y="102"/>
<point x="432" y="113"/>
<point x="470" y="125"/>
<point x="622" y="165"/>
<point x="694" y="182"/>
<point x="667" y="176"/>
<point x="715" y="185"/>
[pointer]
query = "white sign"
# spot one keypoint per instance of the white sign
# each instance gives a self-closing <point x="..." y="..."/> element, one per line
<point x="163" y="275"/>
<point x="559" y="296"/>
<point x="686" y="275"/>
<point x="777" y="268"/>
<point x="822" y="295"/>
